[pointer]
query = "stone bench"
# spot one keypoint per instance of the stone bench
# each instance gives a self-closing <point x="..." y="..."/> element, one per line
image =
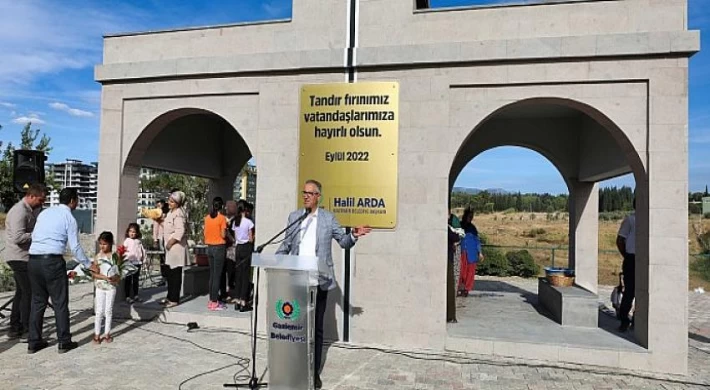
<point x="195" y="281"/>
<point x="569" y="306"/>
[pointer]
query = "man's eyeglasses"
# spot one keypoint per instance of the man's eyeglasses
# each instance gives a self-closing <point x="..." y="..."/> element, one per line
<point x="309" y="193"/>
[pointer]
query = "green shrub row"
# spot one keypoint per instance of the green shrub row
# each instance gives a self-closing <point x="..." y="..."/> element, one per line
<point x="7" y="282"/>
<point x="513" y="263"/>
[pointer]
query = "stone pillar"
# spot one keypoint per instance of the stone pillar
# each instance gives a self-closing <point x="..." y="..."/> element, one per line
<point x="117" y="184"/>
<point x="665" y="264"/>
<point x="110" y="161"/>
<point x="222" y="187"/>
<point x="584" y="233"/>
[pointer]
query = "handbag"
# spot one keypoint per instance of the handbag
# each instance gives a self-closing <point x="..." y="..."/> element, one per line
<point x="232" y="252"/>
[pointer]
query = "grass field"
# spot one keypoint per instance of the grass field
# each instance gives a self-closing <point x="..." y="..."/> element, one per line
<point x="536" y="230"/>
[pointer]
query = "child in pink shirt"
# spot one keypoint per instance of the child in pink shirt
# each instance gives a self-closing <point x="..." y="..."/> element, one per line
<point x="135" y="254"/>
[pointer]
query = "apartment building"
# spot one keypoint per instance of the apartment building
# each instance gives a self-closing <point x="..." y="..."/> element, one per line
<point x="74" y="173"/>
<point x="245" y="185"/>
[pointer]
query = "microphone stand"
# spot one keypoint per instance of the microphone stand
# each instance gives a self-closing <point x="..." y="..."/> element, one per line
<point x="254" y="383"/>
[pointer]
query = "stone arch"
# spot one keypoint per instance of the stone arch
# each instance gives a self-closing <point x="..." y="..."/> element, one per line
<point x="634" y="160"/>
<point x="181" y="122"/>
<point x="187" y="140"/>
<point x="575" y="137"/>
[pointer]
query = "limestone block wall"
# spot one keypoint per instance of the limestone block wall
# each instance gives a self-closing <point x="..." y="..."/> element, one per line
<point x="395" y="22"/>
<point x="315" y="25"/>
<point x="623" y="62"/>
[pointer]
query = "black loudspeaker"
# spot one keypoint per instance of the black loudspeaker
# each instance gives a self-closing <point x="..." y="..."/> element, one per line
<point x="28" y="168"/>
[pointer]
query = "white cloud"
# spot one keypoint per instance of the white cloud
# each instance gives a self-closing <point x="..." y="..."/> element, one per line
<point x="33" y="118"/>
<point x="69" y="110"/>
<point x="7" y="105"/>
<point x="43" y="37"/>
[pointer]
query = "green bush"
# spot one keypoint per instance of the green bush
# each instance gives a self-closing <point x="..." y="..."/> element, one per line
<point x="704" y="242"/>
<point x="701" y="266"/>
<point x="522" y="264"/>
<point x="695" y="208"/>
<point x="483" y="238"/>
<point x="494" y="264"/>
<point x="612" y="215"/>
<point x="706" y="215"/>
<point x="7" y="282"/>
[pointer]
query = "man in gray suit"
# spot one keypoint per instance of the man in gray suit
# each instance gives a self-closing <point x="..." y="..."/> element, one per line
<point x="312" y="237"/>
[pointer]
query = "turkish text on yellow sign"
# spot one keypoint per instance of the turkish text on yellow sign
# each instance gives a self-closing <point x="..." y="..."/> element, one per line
<point x="349" y="136"/>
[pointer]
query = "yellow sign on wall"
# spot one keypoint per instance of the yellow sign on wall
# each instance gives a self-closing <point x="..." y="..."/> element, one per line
<point x="349" y="136"/>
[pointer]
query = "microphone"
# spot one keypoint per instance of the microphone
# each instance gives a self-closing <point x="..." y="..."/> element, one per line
<point x="305" y="214"/>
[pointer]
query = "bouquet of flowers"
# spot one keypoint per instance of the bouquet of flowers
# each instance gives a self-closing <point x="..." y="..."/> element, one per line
<point x="77" y="275"/>
<point x="120" y="266"/>
<point x="117" y="265"/>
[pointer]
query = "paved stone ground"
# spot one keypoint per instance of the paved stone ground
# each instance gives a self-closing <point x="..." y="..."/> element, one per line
<point x="154" y="355"/>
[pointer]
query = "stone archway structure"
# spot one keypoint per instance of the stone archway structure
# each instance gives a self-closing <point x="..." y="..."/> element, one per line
<point x="575" y="138"/>
<point x="617" y="66"/>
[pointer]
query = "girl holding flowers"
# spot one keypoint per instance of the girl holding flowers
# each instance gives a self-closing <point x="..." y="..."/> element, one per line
<point x="105" y="281"/>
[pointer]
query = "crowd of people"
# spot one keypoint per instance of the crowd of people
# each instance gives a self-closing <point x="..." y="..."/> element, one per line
<point x="229" y="236"/>
<point x="36" y="244"/>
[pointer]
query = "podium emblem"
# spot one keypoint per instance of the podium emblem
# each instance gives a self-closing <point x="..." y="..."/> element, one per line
<point x="288" y="310"/>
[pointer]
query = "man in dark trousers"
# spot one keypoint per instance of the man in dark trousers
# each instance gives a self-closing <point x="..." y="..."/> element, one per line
<point x="55" y="228"/>
<point x="313" y="237"/>
<point x="19" y="223"/>
<point x="626" y="244"/>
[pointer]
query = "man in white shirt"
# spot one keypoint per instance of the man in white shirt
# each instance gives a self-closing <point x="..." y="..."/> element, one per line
<point x="313" y="237"/>
<point x="55" y="228"/>
<point x="626" y="244"/>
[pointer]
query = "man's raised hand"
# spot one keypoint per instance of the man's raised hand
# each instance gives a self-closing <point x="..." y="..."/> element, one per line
<point x="361" y="231"/>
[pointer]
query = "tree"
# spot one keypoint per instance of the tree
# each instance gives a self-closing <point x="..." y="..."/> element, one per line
<point x="706" y="191"/>
<point x="28" y="140"/>
<point x="195" y="189"/>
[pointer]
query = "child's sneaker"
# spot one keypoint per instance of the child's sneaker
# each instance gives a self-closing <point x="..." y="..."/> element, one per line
<point x="216" y="306"/>
<point x="129" y="300"/>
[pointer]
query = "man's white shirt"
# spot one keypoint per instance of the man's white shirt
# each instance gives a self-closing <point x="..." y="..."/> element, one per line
<point x="628" y="232"/>
<point x="309" y="227"/>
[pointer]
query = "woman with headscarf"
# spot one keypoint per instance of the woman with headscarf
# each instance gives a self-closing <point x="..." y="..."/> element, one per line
<point x="470" y="253"/>
<point x="175" y="238"/>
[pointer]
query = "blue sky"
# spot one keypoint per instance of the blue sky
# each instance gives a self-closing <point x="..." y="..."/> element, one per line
<point x="49" y="51"/>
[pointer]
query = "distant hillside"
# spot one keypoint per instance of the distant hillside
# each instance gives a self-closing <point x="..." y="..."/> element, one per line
<point x="474" y="191"/>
